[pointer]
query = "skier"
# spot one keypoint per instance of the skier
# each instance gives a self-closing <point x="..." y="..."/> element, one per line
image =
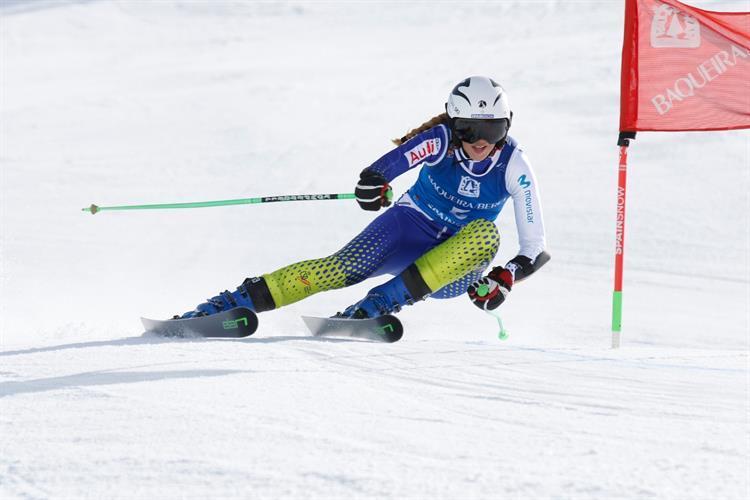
<point x="439" y="237"/>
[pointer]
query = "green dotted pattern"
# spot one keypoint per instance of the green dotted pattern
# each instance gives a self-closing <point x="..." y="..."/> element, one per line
<point x="452" y="265"/>
<point x="472" y="248"/>
<point x="349" y="266"/>
<point x="460" y="286"/>
<point x="302" y="279"/>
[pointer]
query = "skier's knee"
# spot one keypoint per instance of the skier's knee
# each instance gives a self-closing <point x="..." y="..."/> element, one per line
<point x="483" y="234"/>
<point x="472" y="248"/>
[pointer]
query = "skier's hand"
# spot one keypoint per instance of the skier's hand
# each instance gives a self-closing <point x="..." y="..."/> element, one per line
<point x="489" y="292"/>
<point x="522" y="267"/>
<point x="372" y="191"/>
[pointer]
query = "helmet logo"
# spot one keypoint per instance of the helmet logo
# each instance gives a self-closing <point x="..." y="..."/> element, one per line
<point x="466" y="83"/>
<point x="482" y="104"/>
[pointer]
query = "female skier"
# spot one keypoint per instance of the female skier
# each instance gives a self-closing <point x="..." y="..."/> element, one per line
<point x="439" y="237"/>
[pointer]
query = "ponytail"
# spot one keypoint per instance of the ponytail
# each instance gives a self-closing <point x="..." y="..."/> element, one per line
<point x="437" y="120"/>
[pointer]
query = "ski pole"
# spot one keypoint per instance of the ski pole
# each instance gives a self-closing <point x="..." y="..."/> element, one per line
<point x="503" y="333"/>
<point x="220" y="203"/>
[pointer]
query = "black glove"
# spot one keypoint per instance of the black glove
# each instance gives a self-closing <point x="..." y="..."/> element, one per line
<point x="491" y="291"/>
<point x="372" y="191"/>
<point x="522" y="267"/>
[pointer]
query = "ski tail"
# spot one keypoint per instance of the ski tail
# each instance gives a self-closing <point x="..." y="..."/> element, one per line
<point x="386" y="328"/>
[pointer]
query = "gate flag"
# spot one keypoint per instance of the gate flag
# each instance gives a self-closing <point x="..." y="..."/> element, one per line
<point x="684" y="68"/>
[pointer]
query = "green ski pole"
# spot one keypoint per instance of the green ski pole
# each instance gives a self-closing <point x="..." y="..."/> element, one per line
<point x="220" y="203"/>
<point x="503" y="333"/>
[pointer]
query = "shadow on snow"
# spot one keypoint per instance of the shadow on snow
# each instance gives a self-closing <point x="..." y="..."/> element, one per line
<point x="147" y="339"/>
<point x="90" y="379"/>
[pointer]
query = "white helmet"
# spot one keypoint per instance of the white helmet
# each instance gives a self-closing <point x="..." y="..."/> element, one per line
<point x="478" y="97"/>
<point x="478" y="109"/>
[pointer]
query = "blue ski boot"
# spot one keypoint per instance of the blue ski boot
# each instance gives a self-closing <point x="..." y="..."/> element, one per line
<point x="224" y="301"/>
<point x="387" y="298"/>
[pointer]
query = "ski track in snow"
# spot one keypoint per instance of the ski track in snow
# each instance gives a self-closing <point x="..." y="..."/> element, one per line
<point x="130" y="102"/>
<point x="341" y="418"/>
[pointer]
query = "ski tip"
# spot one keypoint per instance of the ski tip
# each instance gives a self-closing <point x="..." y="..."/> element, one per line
<point x="396" y="332"/>
<point x="233" y="323"/>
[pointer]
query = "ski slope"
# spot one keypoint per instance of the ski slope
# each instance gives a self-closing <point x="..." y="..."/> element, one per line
<point x="146" y="102"/>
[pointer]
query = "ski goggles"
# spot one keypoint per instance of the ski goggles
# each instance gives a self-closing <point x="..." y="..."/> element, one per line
<point x="471" y="130"/>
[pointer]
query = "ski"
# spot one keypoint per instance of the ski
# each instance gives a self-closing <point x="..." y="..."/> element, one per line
<point x="234" y="323"/>
<point x="385" y="328"/>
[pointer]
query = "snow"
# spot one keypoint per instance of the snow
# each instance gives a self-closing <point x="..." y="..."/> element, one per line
<point x="146" y="102"/>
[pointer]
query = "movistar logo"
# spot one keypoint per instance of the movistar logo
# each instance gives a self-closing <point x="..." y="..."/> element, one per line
<point x="233" y="324"/>
<point x="524" y="183"/>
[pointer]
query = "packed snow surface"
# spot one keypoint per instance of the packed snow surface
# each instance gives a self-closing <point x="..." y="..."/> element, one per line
<point x="149" y="102"/>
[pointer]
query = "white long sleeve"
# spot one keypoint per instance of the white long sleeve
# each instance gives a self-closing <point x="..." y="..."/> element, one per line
<point x="522" y="186"/>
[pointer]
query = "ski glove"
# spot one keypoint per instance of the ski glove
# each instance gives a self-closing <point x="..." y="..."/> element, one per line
<point x="372" y="191"/>
<point x="491" y="291"/>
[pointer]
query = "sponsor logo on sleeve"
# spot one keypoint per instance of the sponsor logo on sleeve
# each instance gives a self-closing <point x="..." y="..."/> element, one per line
<point x="424" y="149"/>
<point x="529" y="206"/>
<point x="527" y="200"/>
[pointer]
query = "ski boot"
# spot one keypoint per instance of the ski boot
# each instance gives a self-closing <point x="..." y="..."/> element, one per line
<point x="387" y="298"/>
<point x="222" y="302"/>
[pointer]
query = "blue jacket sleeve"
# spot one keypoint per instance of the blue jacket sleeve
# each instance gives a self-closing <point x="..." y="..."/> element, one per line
<point x="427" y="148"/>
